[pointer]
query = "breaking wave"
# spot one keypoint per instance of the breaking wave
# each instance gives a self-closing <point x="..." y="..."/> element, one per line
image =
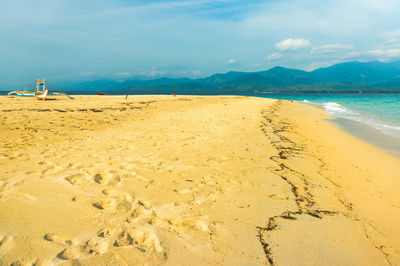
<point x="337" y="110"/>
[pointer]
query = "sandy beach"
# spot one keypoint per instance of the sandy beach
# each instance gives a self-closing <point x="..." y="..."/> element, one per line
<point x="222" y="180"/>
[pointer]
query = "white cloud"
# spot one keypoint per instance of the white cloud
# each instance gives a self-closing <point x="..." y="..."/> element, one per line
<point x="392" y="42"/>
<point x="123" y="74"/>
<point x="316" y="65"/>
<point x="330" y="48"/>
<point x="232" y="61"/>
<point x="274" y="56"/>
<point x="292" y="44"/>
<point x="156" y="71"/>
<point x="388" y="53"/>
<point x="353" y="55"/>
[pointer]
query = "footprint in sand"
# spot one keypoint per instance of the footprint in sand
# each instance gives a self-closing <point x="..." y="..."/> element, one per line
<point x="74" y="250"/>
<point x="138" y="225"/>
<point x="51" y="170"/>
<point x="110" y="178"/>
<point x="96" y="246"/>
<point x="6" y="243"/>
<point x="118" y="194"/>
<point x="26" y="197"/>
<point x="115" y="201"/>
<point x="128" y="172"/>
<point x="5" y="187"/>
<point x="276" y="197"/>
<point x="59" y="239"/>
<point x="192" y="222"/>
<point x="102" y="178"/>
<point x="99" y="178"/>
<point x="71" y="253"/>
<point x="185" y="191"/>
<point x="32" y="262"/>
<point x="77" y="179"/>
<point x="107" y="232"/>
<point x="142" y="215"/>
<point x="141" y="178"/>
<point x="124" y="239"/>
<point x="7" y="190"/>
<point x="4" y="240"/>
<point x="105" y="204"/>
<point x="144" y="238"/>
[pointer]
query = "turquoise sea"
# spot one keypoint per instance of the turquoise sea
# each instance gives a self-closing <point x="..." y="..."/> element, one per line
<point x="372" y="117"/>
<point x="378" y="110"/>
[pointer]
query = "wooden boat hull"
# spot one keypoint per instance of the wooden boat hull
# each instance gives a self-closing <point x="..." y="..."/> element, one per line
<point x="43" y="95"/>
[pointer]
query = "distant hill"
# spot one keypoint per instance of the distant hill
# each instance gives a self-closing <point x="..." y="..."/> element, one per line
<point x="349" y="76"/>
<point x="367" y="73"/>
<point x="219" y="79"/>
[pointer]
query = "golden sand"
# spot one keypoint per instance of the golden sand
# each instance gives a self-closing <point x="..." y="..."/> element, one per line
<point x="190" y="181"/>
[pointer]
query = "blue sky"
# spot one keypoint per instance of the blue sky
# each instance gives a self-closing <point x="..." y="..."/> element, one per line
<point x="120" y="39"/>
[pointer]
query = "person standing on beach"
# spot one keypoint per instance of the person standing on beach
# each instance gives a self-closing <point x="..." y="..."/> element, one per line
<point x="174" y="92"/>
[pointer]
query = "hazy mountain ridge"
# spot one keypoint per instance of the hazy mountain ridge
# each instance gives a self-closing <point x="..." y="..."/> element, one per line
<point x="349" y="76"/>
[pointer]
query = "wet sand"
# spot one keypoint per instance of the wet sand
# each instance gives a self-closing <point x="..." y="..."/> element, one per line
<point x="190" y="180"/>
<point x="371" y="135"/>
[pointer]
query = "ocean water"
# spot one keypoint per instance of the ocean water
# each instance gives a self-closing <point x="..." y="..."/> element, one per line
<point x="380" y="111"/>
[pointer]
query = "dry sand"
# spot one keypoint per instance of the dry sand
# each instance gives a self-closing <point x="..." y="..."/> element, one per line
<point x="190" y="181"/>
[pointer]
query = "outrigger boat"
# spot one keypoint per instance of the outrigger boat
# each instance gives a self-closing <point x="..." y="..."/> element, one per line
<point x="26" y="94"/>
<point x="41" y="91"/>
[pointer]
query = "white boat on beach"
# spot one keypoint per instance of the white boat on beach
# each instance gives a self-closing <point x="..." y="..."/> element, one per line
<point x="40" y="92"/>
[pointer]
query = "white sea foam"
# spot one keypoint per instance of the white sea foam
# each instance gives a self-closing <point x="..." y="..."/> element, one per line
<point x="337" y="110"/>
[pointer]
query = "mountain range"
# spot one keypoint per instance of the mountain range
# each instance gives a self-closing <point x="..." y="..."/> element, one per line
<point x="348" y="76"/>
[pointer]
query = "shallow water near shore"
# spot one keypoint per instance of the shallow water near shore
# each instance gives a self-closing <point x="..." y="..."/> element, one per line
<point x="369" y="134"/>
<point x="372" y="117"/>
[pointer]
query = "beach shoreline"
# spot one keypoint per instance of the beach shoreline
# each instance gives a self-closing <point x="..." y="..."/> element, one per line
<point x="367" y="133"/>
<point x="225" y="180"/>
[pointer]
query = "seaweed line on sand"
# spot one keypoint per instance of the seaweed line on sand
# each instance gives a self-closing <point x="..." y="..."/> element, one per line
<point x="304" y="199"/>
